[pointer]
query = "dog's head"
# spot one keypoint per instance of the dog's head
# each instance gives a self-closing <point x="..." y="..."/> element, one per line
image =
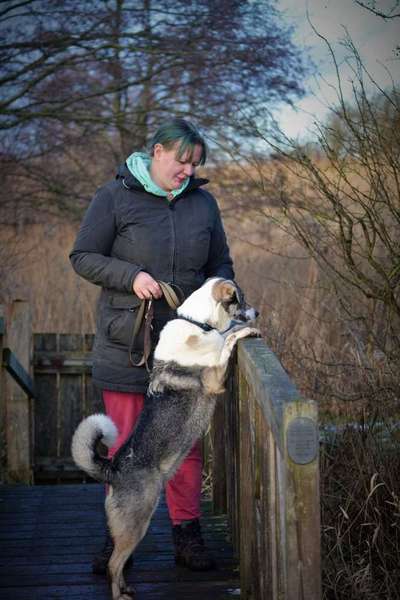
<point x="231" y="307"/>
<point x="219" y="303"/>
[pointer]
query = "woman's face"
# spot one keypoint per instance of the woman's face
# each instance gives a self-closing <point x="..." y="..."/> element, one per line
<point x="168" y="171"/>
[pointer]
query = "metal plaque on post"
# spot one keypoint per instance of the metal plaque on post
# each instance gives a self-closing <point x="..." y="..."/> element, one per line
<point x="302" y="440"/>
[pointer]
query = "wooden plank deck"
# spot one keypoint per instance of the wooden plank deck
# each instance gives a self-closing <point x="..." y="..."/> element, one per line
<point x="48" y="535"/>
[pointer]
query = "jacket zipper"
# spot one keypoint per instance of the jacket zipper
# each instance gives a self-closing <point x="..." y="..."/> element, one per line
<point x="171" y="208"/>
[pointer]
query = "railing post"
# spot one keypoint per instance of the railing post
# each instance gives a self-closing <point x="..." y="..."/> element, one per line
<point x="3" y="446"/>
<point x="18" y="419"/>
<point x="302" y="501"/>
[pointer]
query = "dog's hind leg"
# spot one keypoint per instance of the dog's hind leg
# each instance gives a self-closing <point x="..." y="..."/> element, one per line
<point x="128" y="520"/>
<point x="123" y="547"/>
<point x="126" y="538"/>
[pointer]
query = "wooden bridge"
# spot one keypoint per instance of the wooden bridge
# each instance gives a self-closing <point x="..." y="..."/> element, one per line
<point x="49" y="535"/>
<point x="262" y="521"/>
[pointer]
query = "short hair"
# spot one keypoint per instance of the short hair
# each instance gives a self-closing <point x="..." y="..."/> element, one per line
<point x="183" y="131"/>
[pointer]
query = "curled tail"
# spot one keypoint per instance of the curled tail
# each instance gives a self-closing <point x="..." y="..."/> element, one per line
<point x="91" y="431"/>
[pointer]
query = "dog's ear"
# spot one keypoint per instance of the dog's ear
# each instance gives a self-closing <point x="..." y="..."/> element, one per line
<point x="224" y="291"/>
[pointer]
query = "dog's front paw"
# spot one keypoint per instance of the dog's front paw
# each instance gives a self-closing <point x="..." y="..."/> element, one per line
<point x="236" y="328"/>
<point x="247" y="332"/>
<point x="253" y="332"/>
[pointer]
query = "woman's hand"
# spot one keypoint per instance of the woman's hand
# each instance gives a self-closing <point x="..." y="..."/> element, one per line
<point x="145" y="287"/>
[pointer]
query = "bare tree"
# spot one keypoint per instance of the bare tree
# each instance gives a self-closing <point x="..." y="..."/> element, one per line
<point x="339" y="197"/>
<point x="393" y="12"/>
<point x="86" y="83"/>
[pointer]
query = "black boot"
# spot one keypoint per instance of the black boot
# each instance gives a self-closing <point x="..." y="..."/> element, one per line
<point x="100" y="561"/>
<point x="189" y="547"/>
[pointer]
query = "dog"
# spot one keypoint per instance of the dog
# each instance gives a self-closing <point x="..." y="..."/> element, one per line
<point x="189" y="372"/>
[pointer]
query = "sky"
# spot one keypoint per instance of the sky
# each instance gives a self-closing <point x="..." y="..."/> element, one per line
<point x="374" y="38"/>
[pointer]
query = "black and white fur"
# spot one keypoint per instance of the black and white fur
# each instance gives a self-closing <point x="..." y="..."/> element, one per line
<point x="190" y="363"/>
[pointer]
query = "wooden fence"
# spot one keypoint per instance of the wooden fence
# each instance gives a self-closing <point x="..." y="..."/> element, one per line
<point x="65" y="395"/>
<point x="37" y="422"/>
<point x="264" y="440"/>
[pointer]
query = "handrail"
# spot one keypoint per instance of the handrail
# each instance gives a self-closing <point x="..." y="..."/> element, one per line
<point x="269" y="465"/>
<point x="18" y="373"/>
<point x="268" y="382"/>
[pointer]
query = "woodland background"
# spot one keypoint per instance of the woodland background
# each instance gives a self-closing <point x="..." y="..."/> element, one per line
<point x="313" y="229"/>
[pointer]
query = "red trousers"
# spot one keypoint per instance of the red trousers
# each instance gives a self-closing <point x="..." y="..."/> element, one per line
<point x="183" y="490"/>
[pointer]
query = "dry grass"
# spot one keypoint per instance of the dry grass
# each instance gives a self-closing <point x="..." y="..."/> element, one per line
<point x="42" y="274"/>
<point x="360" y="512"/>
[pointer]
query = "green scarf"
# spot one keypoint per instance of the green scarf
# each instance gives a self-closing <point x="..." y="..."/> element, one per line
<point x="139" y="165"/>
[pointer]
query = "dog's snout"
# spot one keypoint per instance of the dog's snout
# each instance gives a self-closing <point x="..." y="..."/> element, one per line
<point x="251" y="314"/>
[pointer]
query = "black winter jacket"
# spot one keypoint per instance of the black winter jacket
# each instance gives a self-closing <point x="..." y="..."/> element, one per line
<point x="127" y="230"/>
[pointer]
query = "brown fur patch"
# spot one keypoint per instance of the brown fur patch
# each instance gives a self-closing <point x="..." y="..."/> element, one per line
<point x="213" y="380"/>
<point x="223" y="291"/>
<point x="192" y="341"/>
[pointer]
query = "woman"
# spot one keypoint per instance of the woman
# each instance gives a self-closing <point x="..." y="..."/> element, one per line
<point x="154" y="222"/>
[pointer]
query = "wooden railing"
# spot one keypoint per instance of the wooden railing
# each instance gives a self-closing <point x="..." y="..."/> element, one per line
<point x="266" y="477"/>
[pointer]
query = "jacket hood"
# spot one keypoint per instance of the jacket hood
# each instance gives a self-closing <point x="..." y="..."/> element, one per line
<point x="130" y="181"/>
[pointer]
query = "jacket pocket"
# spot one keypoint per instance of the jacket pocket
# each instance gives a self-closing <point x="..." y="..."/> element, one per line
<point x="120" y="319"/>
<point x="196" y="253"/>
